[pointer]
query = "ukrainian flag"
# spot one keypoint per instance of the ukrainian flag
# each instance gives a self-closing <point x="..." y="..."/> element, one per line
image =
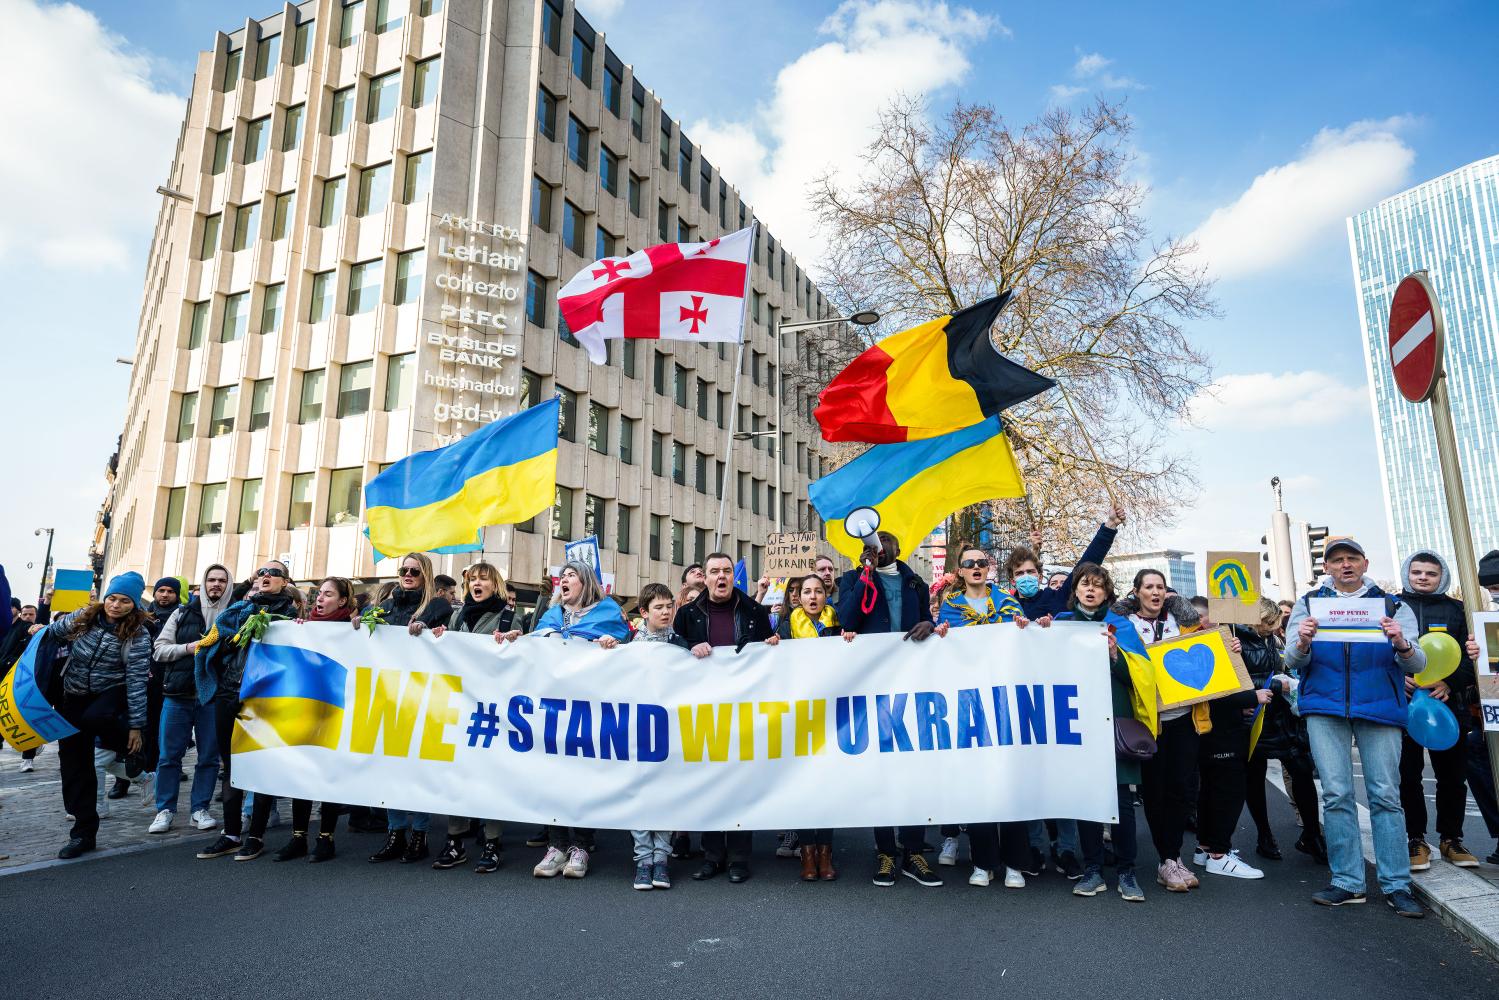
<point x="503" y="473"/>
<point x="71" y="589"/>
<point x="912" y="486"/>
<point x="291" y="697"/>
<point x="1142" y="694"/>
<point x="926" y="381"/>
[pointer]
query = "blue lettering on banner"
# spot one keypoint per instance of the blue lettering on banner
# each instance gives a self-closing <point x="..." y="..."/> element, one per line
<point x="853" y="724"/>
<point x="1065" y="713"/>
<point x="1002" y="733"/>
<point x="614" y="731"/>
<point x="1030" y="707"/>
<point x="580" y="730"/>
<point x="931" y="721"/>
<point x="551" y="706"/>
<point x="653" y="730"/>
<point x="973" y="727"/>
<point x="889" y="712"/>
<point x="520" y="737"/>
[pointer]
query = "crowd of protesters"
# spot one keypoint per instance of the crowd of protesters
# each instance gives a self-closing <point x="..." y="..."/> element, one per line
<point x="143" y="677"/>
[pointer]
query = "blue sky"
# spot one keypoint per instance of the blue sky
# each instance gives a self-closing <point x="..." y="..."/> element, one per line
<point x="1258" y="127"/>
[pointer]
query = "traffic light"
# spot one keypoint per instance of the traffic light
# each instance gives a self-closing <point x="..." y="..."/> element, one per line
<point x="1316" y="548"/>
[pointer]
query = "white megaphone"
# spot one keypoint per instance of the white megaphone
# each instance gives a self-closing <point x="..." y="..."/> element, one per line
<point x="863" y="523"/>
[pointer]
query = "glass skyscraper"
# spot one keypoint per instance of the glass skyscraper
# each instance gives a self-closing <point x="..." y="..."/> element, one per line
<point x="1450" y="228"/>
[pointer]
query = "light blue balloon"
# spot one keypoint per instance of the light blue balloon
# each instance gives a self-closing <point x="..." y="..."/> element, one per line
<point x="1430" y="723"/>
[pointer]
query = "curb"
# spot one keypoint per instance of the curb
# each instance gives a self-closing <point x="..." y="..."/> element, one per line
<point x="1466" y="902"/>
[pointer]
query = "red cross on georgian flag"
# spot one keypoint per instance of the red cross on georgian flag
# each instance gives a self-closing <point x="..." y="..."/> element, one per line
<point x="676" y="291"/>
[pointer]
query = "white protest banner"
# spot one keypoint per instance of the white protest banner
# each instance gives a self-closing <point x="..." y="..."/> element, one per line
<point x="988" y="723"/>
<point x="1347" y="619"/>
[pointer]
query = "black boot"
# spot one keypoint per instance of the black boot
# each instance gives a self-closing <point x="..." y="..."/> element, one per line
<point x="296" y="847"/>
<point x="119" y="789"/>
<point x="416" y="848"/>
<point x="77" y="847"/>
<point x="322" y="849"/>
<point x="395" y="846"/>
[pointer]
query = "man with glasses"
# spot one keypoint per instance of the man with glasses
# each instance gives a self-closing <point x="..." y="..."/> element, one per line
<point x="218" y="668"/>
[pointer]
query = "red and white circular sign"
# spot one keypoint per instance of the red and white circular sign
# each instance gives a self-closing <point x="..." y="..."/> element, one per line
<point x="1416" y="337"/>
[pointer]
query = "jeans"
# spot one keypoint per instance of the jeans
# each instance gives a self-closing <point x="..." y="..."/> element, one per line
<point x="1126" y="845"/>
<point x="398" y="819"/>
<point x="1164" y="785"/>
<point x="183" y="719"/>
<point x="1332" y="739"/>
<point x="1067" y="840"/>
<point x="652" y="847"/>
<point x="1451" y="769"/>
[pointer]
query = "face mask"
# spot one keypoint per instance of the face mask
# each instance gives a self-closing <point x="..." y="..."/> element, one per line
<point x="1028" y="586"/>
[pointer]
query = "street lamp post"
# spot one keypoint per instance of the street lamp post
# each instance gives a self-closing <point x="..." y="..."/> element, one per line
<point x="46" y="564"/>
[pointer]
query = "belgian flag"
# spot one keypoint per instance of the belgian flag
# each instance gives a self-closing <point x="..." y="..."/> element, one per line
<point x="926" y="381"/>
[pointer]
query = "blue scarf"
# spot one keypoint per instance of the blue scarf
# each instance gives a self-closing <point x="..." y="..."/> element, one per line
<point x="604" y="618"/>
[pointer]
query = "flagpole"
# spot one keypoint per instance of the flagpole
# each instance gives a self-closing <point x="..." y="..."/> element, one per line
<point x="728" y="440"/>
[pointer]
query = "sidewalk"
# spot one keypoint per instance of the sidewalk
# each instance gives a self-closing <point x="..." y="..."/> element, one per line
<point x="34" y="825"/>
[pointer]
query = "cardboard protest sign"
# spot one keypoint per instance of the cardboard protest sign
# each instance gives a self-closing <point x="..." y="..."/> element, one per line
<point x="790" y="553"/>
<point x="1233" y="587"/>
<point x="1197" y="667"/>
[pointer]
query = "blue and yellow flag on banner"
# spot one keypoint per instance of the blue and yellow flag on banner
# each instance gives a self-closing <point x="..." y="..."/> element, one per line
<point x="291" y="697"/>
<point x="913" y="485"/>
<point x="503" y="473"/>
<point x="27" y="719"/>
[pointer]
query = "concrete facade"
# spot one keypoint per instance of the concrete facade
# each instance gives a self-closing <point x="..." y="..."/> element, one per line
<point x="369" y="212"/>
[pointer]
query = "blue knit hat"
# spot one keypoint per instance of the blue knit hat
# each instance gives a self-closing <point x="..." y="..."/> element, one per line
<point x="131" y="585"/>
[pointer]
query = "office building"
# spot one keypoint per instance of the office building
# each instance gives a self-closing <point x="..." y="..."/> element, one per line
<point x="1179" y="568"/>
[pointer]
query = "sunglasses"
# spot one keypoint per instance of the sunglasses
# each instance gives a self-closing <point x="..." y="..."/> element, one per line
<point x="270" y="571"/>
<point x="411" y="571"/>
<point x="974" y="564"/>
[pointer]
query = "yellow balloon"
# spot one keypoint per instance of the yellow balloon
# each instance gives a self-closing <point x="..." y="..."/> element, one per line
<point x="1442" y="657"/>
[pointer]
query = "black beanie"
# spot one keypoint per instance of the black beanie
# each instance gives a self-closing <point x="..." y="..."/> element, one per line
<point x="1488" y="569"/>
<point x="169" y="581"/>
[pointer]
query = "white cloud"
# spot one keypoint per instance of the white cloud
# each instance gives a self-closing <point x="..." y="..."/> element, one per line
<point x="601" y="8"/>
<point x="1092" y="72"/>
<point x="89" y="138"/>
<point x="1264" y="402"/>
<point x="1289" y="207"/>
<point x="824" y="102"/>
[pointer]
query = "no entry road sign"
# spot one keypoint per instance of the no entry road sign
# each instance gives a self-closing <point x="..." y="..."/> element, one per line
<point x="1416" y="337"/>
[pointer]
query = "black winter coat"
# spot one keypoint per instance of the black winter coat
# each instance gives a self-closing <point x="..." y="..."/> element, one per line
<point x="751" y="620"/>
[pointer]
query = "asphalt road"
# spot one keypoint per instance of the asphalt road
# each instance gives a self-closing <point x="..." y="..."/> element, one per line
<point x="160" y="923"/>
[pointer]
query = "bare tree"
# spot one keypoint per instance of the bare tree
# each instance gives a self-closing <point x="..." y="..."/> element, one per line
<point x="946" y="214"/>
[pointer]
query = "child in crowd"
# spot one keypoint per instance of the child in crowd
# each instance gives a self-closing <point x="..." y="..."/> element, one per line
<point x="653" y="847"/>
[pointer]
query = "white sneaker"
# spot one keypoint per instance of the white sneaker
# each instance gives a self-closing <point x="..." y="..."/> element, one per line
<point x="203" y="820"/>
<point x="577" y="863"/>
<point x="981" y="876"/>
<point x="949" y="853"/>
<point x="1232" y="866"/>
<point x="27" y="765"/>
<point x="1199" y="857"/>
<point x="1013" y="879"/>
<point x="550" y="864"/>
<point x="146" y="782"/>
<point x="162" y="823"/>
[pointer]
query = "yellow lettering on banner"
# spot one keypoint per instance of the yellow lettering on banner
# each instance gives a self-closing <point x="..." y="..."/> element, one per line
<point x="441" y="713"/>
<point x="746" y="730"/>
<point x="773" y="711"/>
<point x="705" y="732"/>
<point x="811" y="726"/>
<point x="378" y="707"/>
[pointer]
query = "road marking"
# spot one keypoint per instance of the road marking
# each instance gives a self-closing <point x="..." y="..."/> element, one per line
<point x="1412" y="339"/>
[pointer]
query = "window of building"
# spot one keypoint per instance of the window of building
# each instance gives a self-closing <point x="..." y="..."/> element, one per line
<point x="655" y="547"/>
<point x="658" y="445"/>
<point x="249" y="506"/>
<point x="311" y="404"/>
<point x="389" y="15"/>
<point x="608" y="170"/>
<point x="270" y="307"/>
<point x="332" y="207"/>
<point x="637" y="185"/>
<point x="221" y="410"/>
<point x="627" y="440"/>
<point x="232" y="64"/>
<point x="381" y="103"/>
<point x="613" y="88"/>
<point x="246" y="222"/>
<point x="665" y="143"/>
<point x="546" y="113"/>
<point x="197" y="324"/>
<point x="209" y="244"/>
<point x="301" y="43"/>
<point x="701" y="470"/>
<point x="267" y="54"/>
<point x="257" y="136"/>
<point x="663" y="221"/>
<point x="374" y="189"/>
<point x="577" y="142"/>
<point x="536" y="299"/>
<point x="573" y="227"/>
<point x="236" y="317"/>
<point x="605" y="244"/>
<point x="705" y="185"/>
<point x="622" y="529"/>
<point x="530" y="389"/>
<point x="660" y="374"/>
<point x="418" y="177"/>
<point x="567" y="414"/>
<point x="299" y="514"/>
<point x="424" y="78"/>
<point x="351" y="20"/>
<point x="684" y="231"/>
<point x="704" y="395"/>
<point x="551" y="25"/>
<point x="354" y="384"/>
<point x="344" y="489"/>
<point x="679" y="463"/>
<point x="291" y="128"/>
<point x="282" y="207"/>
<point x="637" y="116"/>
<point x="176" y="503"/>
<point x="321" y="299"/>
<point x="627" y="357"/>
<point x="260" y="404"/>
<point x="598" y="428"/>
<point x="187" y="415"/>
<point x="679" y="385"/>
<point x="429" y="7"/>
<point x="410" y="267"/>
<point x="582" y="60"/>
<point x="684" y="164"/>
<point x="678" y="543"/>
<point x="364" y="286"/>
<point x="723" y="204"/>
<point x="593" y="517"/>
<point x="541" y="204"/>
<point x="223" y="142"/>
<point x="563" y="523"/>
<point x="400" y="380"/>
<point x="339" y="112"/>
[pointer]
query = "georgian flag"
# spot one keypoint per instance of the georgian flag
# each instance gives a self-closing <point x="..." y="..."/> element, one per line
<point x="675" y="291"/>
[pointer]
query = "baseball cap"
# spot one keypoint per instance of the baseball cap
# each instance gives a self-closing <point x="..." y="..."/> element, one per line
<point x="1343" y="543"/>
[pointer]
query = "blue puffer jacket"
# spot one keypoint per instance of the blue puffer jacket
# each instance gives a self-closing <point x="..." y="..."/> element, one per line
<point x="1354" y="680"/>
